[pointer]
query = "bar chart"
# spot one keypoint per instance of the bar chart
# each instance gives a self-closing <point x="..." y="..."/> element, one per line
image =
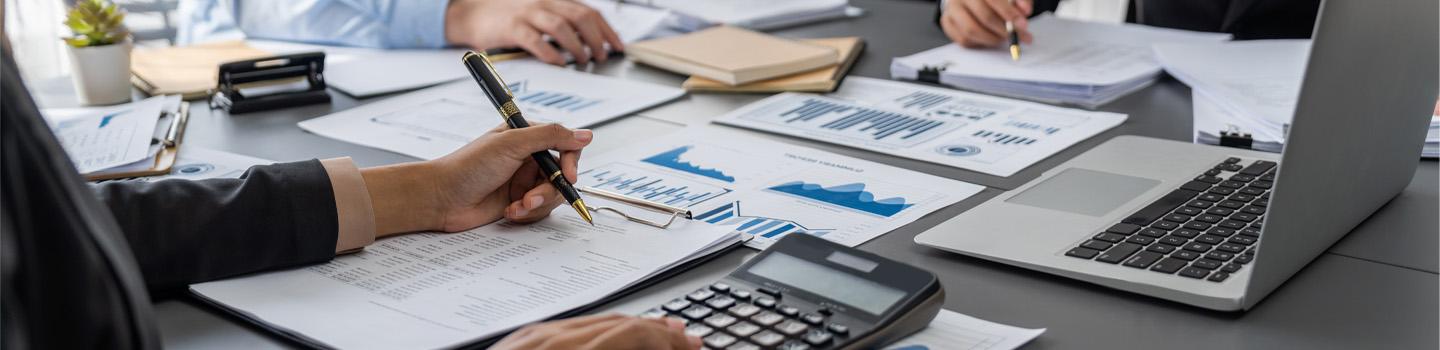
<point x="550" y="100"/>
<point x="638" y="183"/>
<point x="760" y="226"/>
<point x="841" y="118"/>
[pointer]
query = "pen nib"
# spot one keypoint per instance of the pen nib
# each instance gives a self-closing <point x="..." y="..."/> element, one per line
<point x="1015" y="52"/>
<point x="583" y="211"/>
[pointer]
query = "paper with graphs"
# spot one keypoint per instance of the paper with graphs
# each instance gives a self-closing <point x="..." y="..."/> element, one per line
<point x="992" y="135"/>
<point x="768" y="189"/>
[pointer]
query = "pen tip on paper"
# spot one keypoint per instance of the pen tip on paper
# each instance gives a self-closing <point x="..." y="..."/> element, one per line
<point x="583" y="211"/>
<point x="1015" y="52"/>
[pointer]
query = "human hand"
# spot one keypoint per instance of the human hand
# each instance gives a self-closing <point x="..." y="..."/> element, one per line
<point x="981" y="23"/>
<point x="490" y="178"/>
<point x="486" y="24"/>
<point x="602" y="332"/>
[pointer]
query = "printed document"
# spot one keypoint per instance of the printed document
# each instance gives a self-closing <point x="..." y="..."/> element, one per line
<point x="1257" y="80"/>
<point x="768" y="189"/>
<point x="199" y="163"/>
<point x="992" y="135"/>
<point x="434" y="290"/>
<point x="953" y="330"/>
<point x="433" y="122"/>
<point x="102" y="138"/>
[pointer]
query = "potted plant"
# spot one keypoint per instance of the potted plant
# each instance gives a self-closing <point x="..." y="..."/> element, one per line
<point x="99" y="52"/>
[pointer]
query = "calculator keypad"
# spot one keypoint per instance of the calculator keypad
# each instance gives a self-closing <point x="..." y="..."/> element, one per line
<point x="726" y="317"/>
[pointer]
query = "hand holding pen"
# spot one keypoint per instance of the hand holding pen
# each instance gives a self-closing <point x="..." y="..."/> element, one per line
<point x="982" y="23"/>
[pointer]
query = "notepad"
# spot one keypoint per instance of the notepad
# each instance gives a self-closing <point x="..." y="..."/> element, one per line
<point x="732" y="55"/>
<point x="822" y="80"/>
<point x="189" y="71"/>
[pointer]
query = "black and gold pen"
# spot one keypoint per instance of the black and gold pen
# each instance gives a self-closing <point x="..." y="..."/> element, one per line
<point x="499" y="94"/>
<point x="1014" y="38"/>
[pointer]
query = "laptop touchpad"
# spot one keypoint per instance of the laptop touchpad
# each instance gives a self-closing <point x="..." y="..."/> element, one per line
<point x="1084" y="191"/>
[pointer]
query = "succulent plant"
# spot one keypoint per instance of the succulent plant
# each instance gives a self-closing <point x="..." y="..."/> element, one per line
<point x="95" y="23"/>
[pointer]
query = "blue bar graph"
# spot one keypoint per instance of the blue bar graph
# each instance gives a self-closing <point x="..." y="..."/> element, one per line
<point x="1003" y="138"/>
<point x="730" y="214"/>
<point x="638" y="183"/>
<point x="1048" y="130"/>
<point x="922" y="100"/>
<point x="549" y="99"/>
<point x="811" y="114"/>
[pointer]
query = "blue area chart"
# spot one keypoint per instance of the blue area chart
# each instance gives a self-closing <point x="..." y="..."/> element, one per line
<point x="851" y="196"/>
<point x="671" y="159"/>
<point x="768" y="227"/>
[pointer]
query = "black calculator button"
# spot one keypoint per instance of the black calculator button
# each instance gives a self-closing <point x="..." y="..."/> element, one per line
<point x="794" y="345"/>
<point x="743" y="329"/>
<point x="771" y="292"/>
<point x="787" y="310"/>
<point x="767" y="338"/>
<point x="698" y="330"/>
<point x="792" y="327"/>
<point x="813" y="318"/>
<point x="720" y="321"/>
<point x="767" y="318"/>
<point x="838" y="329"/>
<point x="765" y="302"/>
<point x="676" y="305"/>
<point x="743" y="346"/>
<point x="721" y="302"/>
<point x="744" y="310"/>
<point x="719" y="340"/>
<point x="818" y="337"/>
<point x="741" y="295"/>
<point x="700" y="295"/>
<point x="697" y="312"/>
<point x="720" y="288"/>
<point x="654" y="314"/>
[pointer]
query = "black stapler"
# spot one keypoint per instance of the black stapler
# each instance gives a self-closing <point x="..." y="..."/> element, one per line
<point x="271" y="82"/>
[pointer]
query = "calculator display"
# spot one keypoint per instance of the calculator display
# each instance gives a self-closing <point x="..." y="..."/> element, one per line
<point x="853" y="290"/>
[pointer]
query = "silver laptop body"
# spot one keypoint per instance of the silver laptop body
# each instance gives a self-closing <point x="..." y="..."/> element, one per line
<point x="1359" y="125"/>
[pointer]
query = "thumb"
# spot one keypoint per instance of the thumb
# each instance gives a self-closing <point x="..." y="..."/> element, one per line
<point x="520" y="143"/>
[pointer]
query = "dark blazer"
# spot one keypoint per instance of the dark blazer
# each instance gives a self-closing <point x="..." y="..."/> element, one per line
<point x="1245" y="19"/>
<point x="81" y="262"/>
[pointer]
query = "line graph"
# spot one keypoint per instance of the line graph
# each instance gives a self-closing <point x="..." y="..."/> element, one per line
<point x="639" y="183"/>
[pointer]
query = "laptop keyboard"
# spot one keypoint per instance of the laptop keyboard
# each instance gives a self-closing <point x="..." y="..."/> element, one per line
<point x="1206" y="229"/>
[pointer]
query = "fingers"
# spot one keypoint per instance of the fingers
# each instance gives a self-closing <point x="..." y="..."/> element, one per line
<point x="646" y="334"/>
<point x="529" y="38"/>
<point x="520" y="143"/>
<point x="1017" y="14"/>
<point x="961" y="27"/>
<point x="986" y="17"/>
<point x="559" y="28"/>
<point x="570" y="164"/>
<point x="535" y="204"/>
<point x="593" y="29"/>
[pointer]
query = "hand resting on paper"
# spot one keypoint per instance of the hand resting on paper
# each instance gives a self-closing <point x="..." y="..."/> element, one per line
<point x="576" y="28"/>
<point x="601" y="332"/>
<point x="490" y="178"/>
<point x="981" y="23"/>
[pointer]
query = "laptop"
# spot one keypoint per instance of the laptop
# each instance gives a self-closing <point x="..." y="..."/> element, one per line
<point x="1220" y="228"/>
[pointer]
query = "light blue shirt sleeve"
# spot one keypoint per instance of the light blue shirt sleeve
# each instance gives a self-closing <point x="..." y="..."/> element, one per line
<point x="389" y="24"/>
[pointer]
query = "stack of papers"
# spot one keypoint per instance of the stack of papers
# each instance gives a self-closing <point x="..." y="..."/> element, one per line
<point x="113" y="137"/>
<point x="437" y="290"/>
<point x="992" y="135"/>
<point x="433" y="122"/>
<point x="753" y="14"/>
<point x="1071" y="62"/>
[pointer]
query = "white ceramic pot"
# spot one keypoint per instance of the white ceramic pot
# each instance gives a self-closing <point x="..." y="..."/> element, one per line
<point x="101" y="73"/>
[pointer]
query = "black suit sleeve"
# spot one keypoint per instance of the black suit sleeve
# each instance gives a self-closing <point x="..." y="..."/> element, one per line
<point x="184" y="232"/>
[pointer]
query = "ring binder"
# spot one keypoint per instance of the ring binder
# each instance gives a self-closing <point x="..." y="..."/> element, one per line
<point x="674" y="212"/>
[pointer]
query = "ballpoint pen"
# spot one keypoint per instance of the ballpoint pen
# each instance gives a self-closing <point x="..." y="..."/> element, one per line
<point x="1014" y="38"/>
<point x="504" y="101"/>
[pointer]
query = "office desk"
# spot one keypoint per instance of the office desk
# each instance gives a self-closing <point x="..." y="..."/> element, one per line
<point x="1376" y="288"/>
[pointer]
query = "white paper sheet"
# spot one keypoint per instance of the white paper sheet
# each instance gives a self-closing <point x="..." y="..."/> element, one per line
<point x="1257" y="80"/>
<point x="434" y="290"/>
<point x="769" y="189"/>
<point x="198" y="163"/>
<point x="992" y="135"/>
<point x="106" y="137"/>
<point x="753" y="14"/>
<point x="632" y="22"/>
<point x="434" y="122"/>
<point x="953" y="330"/>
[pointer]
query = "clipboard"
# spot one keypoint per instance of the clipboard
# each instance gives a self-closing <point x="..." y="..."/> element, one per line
<point x="168" y="142"/>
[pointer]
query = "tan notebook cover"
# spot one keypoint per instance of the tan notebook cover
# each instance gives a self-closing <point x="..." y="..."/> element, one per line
<point x="822" y="80"/>
<point x="185" y="70"/>
<point x="732" y="55"/>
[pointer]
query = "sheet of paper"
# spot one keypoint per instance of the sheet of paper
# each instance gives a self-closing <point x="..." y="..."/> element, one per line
<point x="1210" y="119"/>
<point x="433" y="290"/>
<point x="1255" y="79"/>
<point x="434" y="122"/>
<point x="953" y="330"/>
<point x="102" y="138"/>
<point x="992" y="135"/>
<point x="198" y="163"/>
<point x="769" y="189"/>
<point x="364" y="72"/>
<point x="753" y="14"/>
<point x="1065" y="51"/>
<point x="632" y="22"/>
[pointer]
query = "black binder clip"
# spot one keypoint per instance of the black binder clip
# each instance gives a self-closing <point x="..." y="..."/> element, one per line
<point x="271" y="82"/>
<point x="1233" y="137"/>
<point x="930" y="74"/>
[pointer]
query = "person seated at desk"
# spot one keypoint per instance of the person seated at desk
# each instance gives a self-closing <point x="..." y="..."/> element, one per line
<point x="401" y="24"/>
<point x="981" y="23"/>
<point x="81" y="262"/>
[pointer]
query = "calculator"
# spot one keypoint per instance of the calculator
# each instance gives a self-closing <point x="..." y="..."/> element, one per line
<point x="805" y="292"/>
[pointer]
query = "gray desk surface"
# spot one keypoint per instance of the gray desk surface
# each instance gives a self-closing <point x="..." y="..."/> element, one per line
<point x="1375" y="288"/>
